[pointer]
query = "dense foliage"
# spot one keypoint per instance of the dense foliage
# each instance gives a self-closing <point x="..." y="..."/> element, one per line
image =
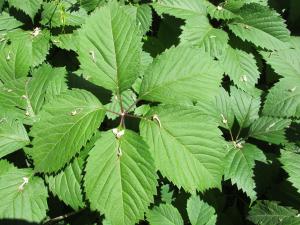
<point x="164" y="112"/>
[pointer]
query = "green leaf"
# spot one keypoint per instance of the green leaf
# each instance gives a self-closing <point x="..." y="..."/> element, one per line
<point x="270" y="213"/>
<point x="66" y="184"/>
<point x="166" y="194"/>
<point x="285" y="62"/>
<point x="200" y="213"/>
<point x="8" y="22"/>
<point x="11" y="94"/>
<point x="120" y="178"/>
<point x="167" y="78"/>
<point x="261" y="26"/>
<point x="42" y="79"/>
<point x="221" y="11"/>
<point x="180" y="137"/>
<point x="30" y="94"/>
<point x="283" y="99"/>
<point x="164" y="214"/>
<point x="244" y="106"/>
<point x="66" y="41"/>
<point x="183" y="9"/>
<point x="241" y="68"/>
<point x="60" y="14"/>
<point x="20" y="200"/>
<point x="14" y="62"/>
<point x="36" y="43"/>
<point x="13" y="135"/>
<point x="239" y="167"/>
<point x="90" y="5"/>
<point x="142" y="14"/>
<point x="197" y="31"/>
<point x="223" y="109"/>
<point x="270" y="129"/>
<point x="290" y="162"/>
<point x="111" y="60"/>
<point x="29" y="7"/>
<point x="58" y="134"/>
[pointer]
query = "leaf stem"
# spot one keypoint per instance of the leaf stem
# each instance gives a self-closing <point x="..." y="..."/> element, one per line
<point x="132" y="105"/>
<point x="62" y="217"/>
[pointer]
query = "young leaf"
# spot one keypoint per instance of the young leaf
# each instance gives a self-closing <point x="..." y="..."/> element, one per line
<point x="200" y="213"/>
<point x="244" y="106"/>
<point x="111" y="60"/>
<point x="120" y="177"/>
<point x="29" y="7"/>
<point x="261" y="26"/>
<point x="182" y="138"/>
<point x="290" y="162"/>
<point x="239" y="167"/>
<point x="13" y="135"/>
<point x="197" y="31"/>
<point x="241" y="68"/>
<point x="183" y="9"/>
<point x="283" y="99"/>
<point x="128" y="98"/>
<point x="270" y="129"/>
<point x="167" y="78"/>
<point x="270" y="213"/>
<point x="166" y="194"/>
<point x="23" y="196"/>
<point x="164" y="214"/>
<point x="58" y="134"/>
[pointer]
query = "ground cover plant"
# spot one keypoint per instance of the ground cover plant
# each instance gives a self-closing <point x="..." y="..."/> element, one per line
<point x="165" y="112"/>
